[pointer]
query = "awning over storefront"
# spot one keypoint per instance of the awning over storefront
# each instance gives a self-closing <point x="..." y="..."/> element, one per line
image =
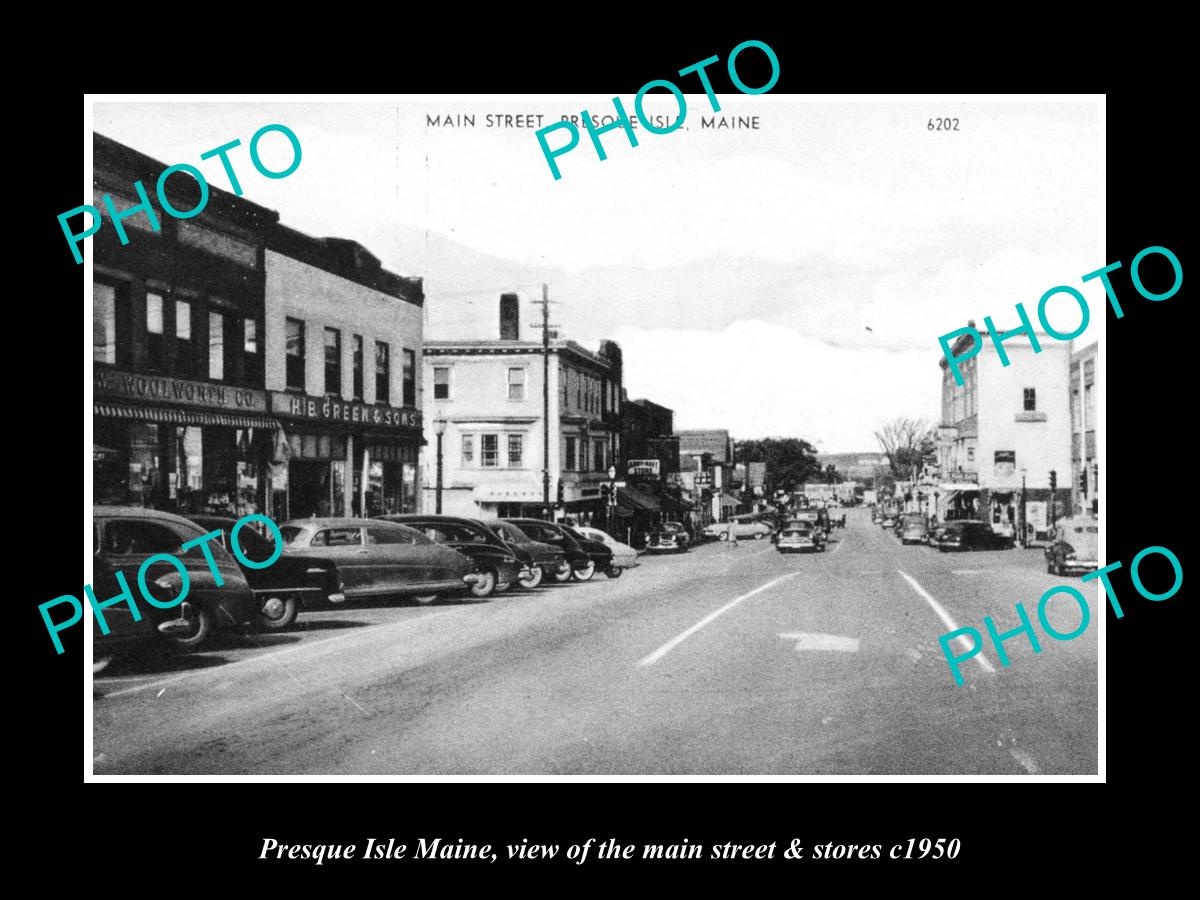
<point x="171" y="415"/>
<point x="631" y="498"/>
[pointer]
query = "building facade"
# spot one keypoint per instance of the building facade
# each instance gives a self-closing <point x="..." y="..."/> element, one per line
<point x="1002" y="434"/>
<point x="1085" y="455"/>
<point x="706" y="470"/>
<point x="344" y="341"/>
<point x="489" y="406"/>
<point x="181" y="420"/>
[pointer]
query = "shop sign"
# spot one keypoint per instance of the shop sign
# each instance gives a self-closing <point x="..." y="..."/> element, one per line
<point x="159" y="389"/>
<point x="1005" y="463"/>
<point x="644" y="467"/>
<point x="329" y="409"/>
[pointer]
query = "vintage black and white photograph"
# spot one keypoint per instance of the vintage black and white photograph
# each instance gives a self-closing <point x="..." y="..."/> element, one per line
<point x="428" y="440"/>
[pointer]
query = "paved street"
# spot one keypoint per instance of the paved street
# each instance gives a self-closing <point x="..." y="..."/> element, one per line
<point x="720" y="661"/>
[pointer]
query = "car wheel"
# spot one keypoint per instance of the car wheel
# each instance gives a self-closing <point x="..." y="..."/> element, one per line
<point x="502" y="586"/>
<point x="723" y="536"/>
<point x="586" y="573"/>
<point x="200" y="626"/>
<point x="425" y="599"/>
<point x="277" y="613"/>
<point x="613" y="571"/>
<point x="563" y="575"/>
<point x="485" y="584"/>
<point x="535" y="578"/>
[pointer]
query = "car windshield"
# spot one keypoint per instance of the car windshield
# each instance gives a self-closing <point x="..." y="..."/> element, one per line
<point x="511" y="533"/>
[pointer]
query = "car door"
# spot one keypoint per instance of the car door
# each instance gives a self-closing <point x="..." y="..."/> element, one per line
<point x="344" y="545"/>
<point x="396" y="564"/>
<point x="105" y="565"/>
<point x="127" y="543"/>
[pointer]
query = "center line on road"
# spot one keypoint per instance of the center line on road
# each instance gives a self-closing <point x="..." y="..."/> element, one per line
<point x="966" y="571"/>
<point x="945" y="617"/>
<point x="680" y="638"/>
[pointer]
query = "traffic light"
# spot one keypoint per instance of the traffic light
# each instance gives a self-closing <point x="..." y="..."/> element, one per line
<point x="1053" y="480"/>
<point x="1083" y="481"/>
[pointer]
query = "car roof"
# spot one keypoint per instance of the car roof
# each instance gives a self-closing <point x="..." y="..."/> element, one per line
<point x="138" y="512"/>
<point x="405" y="518"/>
<point x="332" y="522"/>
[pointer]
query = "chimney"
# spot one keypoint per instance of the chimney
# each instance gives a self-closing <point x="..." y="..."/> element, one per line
<point x="510" y="317"/>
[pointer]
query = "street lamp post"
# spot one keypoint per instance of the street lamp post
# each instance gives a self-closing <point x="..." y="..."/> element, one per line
<point x="612" y="499"/>
<point x="439" y="425"/>
<point x="1024" y="538"/>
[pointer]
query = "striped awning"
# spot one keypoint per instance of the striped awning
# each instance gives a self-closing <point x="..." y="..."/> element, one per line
<point x="172" y="415"/>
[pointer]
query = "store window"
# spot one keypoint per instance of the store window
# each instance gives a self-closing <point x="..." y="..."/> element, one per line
<point x="382" y="373"/>
<point x="489" y="450"/>
<point x="357" y="364"/>
<point x="569" y="455"/>
<point x="408" y="382"/>
<point x="185" y="347"/>
<point x="515" y="447"/>
<point x="333" y="362"/>
<point x="104" y="323"/>
<point x="154" y="332"/>
<point x="253" y="370"/>
<point x="216" y="346"/>
<point x="971" y="454"/>
<point x="295" y="354"/>
<point x="441" y="383"/>
<point x="1030" y="399"/>
<point x="468" y="450"/>
<point x="516" y="384"/>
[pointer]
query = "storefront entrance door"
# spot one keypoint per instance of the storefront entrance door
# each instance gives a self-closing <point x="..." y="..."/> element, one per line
<point x="308" y="484"/>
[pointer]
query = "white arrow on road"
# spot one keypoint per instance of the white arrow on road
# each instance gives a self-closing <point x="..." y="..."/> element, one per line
<point x="806" y="641"/>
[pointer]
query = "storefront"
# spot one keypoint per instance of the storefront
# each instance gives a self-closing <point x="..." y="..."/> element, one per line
<point x="343" y="458"/>
<point x="178" y="445"/>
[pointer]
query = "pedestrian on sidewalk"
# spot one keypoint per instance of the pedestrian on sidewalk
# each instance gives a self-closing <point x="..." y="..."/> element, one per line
<point x="731" y="535"/>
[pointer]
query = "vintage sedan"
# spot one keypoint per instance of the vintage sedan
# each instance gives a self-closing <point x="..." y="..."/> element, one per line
<point x="795" y="538"/>
<point x="669" y="537"/>
<point x="544" y="559"/>
<point x="1074" y="547"/>
<point x="375" y="557"/>
<point x="819" y="536"/>
<point x="914" y="530"/>
<point x="623" y="556"/>
<point x="496" y="562"/>
<point x="582" y="562"/>
<point x="968" y="534"/>
<point x="283" y="587"/>
<point x="599" y="552"/>
<point x="124" y="538"/>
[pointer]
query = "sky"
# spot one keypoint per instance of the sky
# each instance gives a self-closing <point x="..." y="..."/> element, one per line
<point x="790" y="279"/>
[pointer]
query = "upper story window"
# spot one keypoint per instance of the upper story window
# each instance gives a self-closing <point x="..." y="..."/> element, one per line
<point x="598" y="456"/>
<point x="295" y="354"/>
<point x="154" y="331"/>
<point x="569" y="455"/>
<point x="104" y="323"/>
<point x="409" y="378"/>
<point x="333" y="362"/>
<point x="489" y="450"/>
<point x="357" y="365"/>
<point x="515" y="448"/>
<point x="253" y="359"/>
<point x="216" y="346"/>
<point x="1030" y="399"/>
<point x="441" y="383"/>
<point x="468" y="450"/>
<point x="383" y="373"/>
<point x="516" y="384"/>
<point x="185" y="348"/>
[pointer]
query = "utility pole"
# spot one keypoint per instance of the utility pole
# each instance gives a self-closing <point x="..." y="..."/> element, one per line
<point x="546" y="326"/>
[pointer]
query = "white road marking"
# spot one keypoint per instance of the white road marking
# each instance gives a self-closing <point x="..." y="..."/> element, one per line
<point x="871" y="572"/>
<point x="1028" y="763"/>
<point x="966" y="571"/>
<point x="806" y="641"/>
<point x="680" y="638"/>
<point x="945" y="617"/>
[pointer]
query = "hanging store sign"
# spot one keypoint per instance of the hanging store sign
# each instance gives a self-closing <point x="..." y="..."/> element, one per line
<point x="644" y="467"/>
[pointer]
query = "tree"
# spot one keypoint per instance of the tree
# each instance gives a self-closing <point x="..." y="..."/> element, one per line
<point x="907" y="443"/>
<point x="832" y="475"/>
<point x="790" y="461"/>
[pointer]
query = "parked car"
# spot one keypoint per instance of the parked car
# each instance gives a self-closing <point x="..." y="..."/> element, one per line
<point x="496" y="563"/>
<point x="967" y="534"/>
<point x="599" y="552"/>
<point x="797" y="537"/>
<point x="544" y="559"/>
<point x="623" y="556"/>
<point x="374" y="557"/>
<point x="1074" y="546"/>
<point x="581" y="564"/>
<point x="669" y="537"/>
<point x="914" y="530"/>
<point x="283" y="587"/>
<point x="888" y="520"/>
<point x="125" y="537"/>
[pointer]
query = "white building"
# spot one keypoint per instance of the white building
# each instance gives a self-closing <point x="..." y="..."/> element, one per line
<point x="1004" y="428"/>
<point x="486" y="397"/>
<point x="1085" y="455"/>
<point x="343" y="340"/>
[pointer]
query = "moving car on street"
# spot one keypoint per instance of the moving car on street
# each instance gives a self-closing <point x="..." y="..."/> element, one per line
<point x="283" y="587"/>
<point x="496" y="563"/>
<point x="1074" y="546"/>
<point x="544" y="559"/>
<point x="623" y="556"/>
<point x="741" y="527"/>
<point x="374" y="557"/>
<point x="820" y="538"/>
<point x="914" y="529"/>
<point x="670" y="537"/>
<point x="798" y="536"/>
<point x="581" y="556"/>
<point x="968" y="534"/>
<point x="124" y="538"/>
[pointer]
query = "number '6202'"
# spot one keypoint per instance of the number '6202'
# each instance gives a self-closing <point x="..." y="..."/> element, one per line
<point x="943" y="125"/>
